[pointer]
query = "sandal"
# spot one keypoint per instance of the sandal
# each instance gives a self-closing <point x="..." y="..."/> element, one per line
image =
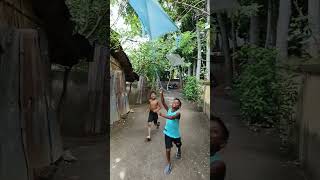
<point x="148" y="138"/>
<point x="167" y="169"/>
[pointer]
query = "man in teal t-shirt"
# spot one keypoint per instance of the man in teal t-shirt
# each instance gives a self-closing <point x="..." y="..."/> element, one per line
<point x="171" y="130"/>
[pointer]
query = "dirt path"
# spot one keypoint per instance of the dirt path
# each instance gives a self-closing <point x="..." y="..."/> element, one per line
<point x="91" y="153"/>
<point x="134" y="159"/>
<point x="249" y="155"/>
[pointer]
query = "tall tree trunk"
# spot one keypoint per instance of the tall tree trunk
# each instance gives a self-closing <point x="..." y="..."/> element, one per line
<point x="226" y="47"/>
<point x="181" y="76"/>
<point x="235" y="45"/>
<point x="170" y="75"/>
<point x="314" y="23"/>
<point x="283" y="29"/>
<point x="209" y="39"/>
<point x="199" y="54"/>
<point x="254" y="30"/>
<point x="190" y="70"/>
<point x="275" y="5"/>
<point x="269" y="24"/>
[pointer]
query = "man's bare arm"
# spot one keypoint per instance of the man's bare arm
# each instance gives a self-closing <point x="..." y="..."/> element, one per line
<point x="177" y="116"/>
<point x="163" y="101"/>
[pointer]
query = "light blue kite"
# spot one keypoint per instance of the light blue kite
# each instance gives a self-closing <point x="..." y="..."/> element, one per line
<point x="155" y="21"/>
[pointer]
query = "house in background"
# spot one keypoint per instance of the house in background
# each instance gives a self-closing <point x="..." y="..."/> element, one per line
<point x="121" y="72"/>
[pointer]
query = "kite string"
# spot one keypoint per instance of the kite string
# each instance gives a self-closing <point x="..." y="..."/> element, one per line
<point x="157" y="75"/>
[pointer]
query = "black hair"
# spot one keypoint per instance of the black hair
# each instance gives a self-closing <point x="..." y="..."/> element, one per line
<point x="179" y="101"/>
<point x="224" y="127"/>
<point x="152" y="92"/>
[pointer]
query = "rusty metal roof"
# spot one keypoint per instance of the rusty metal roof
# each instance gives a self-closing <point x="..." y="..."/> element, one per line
<point x="125" y="63"/>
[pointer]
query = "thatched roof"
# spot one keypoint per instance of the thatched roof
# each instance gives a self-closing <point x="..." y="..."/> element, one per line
<point x="64" y="47"/>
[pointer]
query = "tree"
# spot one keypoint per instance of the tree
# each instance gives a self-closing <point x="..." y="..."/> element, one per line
<point x="199" y="58"/>
<point x="271" y="25"/>
<point x="283" y="29"/>
<point x="150" y="58"/>
<point x="254" y="30"/>
<point x="314" y="23"/>
<point x="187" y="13"/>
<point x="91" y="19"/>
<point x="226" y="49"/>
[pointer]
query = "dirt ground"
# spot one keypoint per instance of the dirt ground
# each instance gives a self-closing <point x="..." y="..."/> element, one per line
<point x="134" y="159"/>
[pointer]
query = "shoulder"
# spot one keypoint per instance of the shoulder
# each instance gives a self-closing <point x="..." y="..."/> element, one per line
<point x="178" y="114"/>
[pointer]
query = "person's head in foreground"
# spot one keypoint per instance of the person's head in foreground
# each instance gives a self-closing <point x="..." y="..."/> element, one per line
<point x="153" y="95"/>
<point x="219" y="136"/>
<point x="176" y="104"/>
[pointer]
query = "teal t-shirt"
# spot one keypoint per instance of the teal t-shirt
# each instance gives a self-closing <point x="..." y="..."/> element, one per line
<point x="171" y="128"/>
<point x="215" y="157"/>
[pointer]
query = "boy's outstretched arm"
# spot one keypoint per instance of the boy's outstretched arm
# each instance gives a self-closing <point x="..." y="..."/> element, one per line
<point x="163" y="101"/>
<point x="177" y="116"/>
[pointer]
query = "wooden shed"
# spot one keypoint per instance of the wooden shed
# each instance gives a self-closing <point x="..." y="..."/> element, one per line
<point x="29" y="41"/>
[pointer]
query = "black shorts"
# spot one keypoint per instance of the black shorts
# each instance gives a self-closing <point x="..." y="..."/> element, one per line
<point x="169" y="140"/>
<point x="153" y="117"/>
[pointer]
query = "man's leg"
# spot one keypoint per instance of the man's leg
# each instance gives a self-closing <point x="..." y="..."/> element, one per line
<point x="168" y="143"/>
<point x="178" y="145"/>
<point x="149" y="126"/>
<point x="168" y="155"/>
<point x="149" y="131"/>
<point x="156" y="123"/>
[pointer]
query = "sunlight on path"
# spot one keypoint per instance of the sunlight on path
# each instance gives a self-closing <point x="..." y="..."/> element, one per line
<point x="133" y="158"/>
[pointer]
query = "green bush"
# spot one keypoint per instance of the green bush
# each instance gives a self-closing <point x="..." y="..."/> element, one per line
<point x="192" y="89"/>
<point x="266" y="95"/>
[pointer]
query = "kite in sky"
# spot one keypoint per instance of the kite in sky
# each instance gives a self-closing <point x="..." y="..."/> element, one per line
<point x="155" y="21"/>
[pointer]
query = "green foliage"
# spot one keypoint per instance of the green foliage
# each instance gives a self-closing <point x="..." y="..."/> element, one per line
<point x="114" y="40"/>
<point x="149" y="59"/>
<point x="192" y="89"/>
<point x="266" y="96"/>
<point x="299" y="33"/>
<point x="247" y="10"/>
<point x="131" y="19"/>
<point x="91" y="18"/>
<point x="187" y="45"/>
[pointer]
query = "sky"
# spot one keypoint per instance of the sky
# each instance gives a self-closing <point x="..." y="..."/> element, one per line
<point x="118" y="24"/>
